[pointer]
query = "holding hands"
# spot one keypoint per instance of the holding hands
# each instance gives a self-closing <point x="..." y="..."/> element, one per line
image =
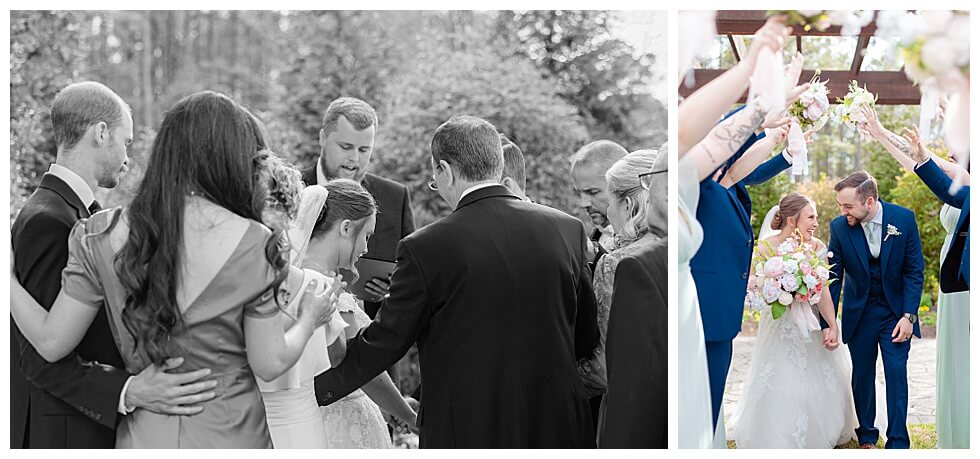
<point x="830" y="339"/>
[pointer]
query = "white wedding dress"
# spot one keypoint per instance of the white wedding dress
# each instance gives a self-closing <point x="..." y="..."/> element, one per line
<point x="355" y="421"/>
<point x="797" y="394"/>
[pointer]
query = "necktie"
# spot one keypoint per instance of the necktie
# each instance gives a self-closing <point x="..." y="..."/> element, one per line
<point x="95" y="207"/>
<point x="874" y="245"/>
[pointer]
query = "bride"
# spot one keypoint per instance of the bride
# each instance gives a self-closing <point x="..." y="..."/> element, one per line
<point x="797" y="392"/>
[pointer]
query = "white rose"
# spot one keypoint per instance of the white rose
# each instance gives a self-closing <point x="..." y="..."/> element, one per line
<point x="810" y="13"/>
<point x="814" y="299"/>
<point x="791" y="266"/>
<point x="789" y="283"/>
<point x="959" y="35"/>
<point x="810" y="281"/>
<point x="822" y="273"/>
<point x="935" y="22"/>
<point x="785" y="298"/>
<point x="938" y="55"/>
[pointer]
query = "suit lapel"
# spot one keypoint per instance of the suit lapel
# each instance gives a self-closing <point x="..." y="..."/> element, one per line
<point x="886" y="246"/>
<point x="860" y="243"/>
<point x="59" y="187"/>
<point x="741" y="209"/>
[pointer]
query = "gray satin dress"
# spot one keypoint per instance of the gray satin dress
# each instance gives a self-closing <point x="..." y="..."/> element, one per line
<point x="213" y="337"/>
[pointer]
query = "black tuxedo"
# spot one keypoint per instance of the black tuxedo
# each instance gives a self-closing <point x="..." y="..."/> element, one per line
<point x="635" y="406"/>
<point x="499" y="298"/>
<point x="70" y="403"/>
<point x="395" y="219"/>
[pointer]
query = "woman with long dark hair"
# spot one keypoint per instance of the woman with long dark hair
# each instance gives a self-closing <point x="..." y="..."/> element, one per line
<point x="187" y="270"/>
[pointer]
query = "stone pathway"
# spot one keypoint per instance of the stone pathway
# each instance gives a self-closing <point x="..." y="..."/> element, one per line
<point x="922" y="378"/>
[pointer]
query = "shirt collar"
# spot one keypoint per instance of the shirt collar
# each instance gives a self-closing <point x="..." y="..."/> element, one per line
<point x="321" y="178"/>
<point x="476" y="187"/>
<point x="75" y="182"/>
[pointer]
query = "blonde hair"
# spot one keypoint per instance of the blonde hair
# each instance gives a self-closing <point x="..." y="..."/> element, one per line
<point x="623" y="181"/>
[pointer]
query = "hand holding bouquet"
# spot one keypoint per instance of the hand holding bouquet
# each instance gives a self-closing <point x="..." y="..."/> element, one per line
<point x="792" y="277"/>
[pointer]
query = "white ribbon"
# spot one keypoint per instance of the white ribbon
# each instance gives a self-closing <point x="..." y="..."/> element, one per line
<point x="768" y="81"/>
<point x="796" y="145"/>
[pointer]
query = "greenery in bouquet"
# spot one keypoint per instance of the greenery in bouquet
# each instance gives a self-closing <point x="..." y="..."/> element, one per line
<point x="850" y="21"/>
<point x="789" y="273"/>
<point x="812" y="109"/>
<point x="848" y="108"/>
<point x="933" y="44"/>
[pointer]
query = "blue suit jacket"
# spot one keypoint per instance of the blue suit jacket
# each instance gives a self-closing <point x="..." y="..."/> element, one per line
<point x="901" y="267"/>
<point x="721" y="266"/>
<point x="954" y="275"/>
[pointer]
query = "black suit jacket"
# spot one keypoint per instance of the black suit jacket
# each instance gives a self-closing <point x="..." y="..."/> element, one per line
<point x="499" y="298"/>
<point x="635" y="406"/>
<point x="395" y="219"/>
<point x="70" y="403"/>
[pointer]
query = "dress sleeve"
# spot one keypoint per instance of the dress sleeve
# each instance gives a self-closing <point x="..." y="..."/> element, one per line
<point x="593" y="368"/>
<point x="263" y="305"/>
<point x="80" y="278"/>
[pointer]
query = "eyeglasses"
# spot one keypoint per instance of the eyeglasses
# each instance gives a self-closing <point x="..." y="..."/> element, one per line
<point x="646" y="178"/>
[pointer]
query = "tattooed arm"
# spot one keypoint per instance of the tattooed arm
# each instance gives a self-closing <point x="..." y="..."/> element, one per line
<point x="699" y="113"/>
<point x="908" y="149"/>
<point x="726" y="138"/>
<point x="899" y="148"/>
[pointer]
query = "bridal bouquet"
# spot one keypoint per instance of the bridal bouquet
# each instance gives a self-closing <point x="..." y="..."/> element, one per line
<point x="934" y="44"/>
<point x="851" y="21"/>
<point x="849" y="108"/>
<point x="812" y="109"/>
<point x="793" y="274"/>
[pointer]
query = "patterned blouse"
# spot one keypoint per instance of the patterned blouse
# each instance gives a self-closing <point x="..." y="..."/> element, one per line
<point x="593" y="369"/>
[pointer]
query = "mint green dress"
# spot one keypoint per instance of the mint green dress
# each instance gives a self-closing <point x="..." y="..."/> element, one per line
<point x="213" y="337"/>
<point x="952" y="356"/>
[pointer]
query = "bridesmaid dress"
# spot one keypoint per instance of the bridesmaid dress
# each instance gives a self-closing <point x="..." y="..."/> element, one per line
<point x="953" y="355"/>
<point x="290" y="400"/>
<point x="212" y="337"/>
<point x="695" y="429"/>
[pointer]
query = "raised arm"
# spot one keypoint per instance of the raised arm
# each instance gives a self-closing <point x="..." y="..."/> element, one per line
<point x="699" y="113"/>
<point x="755" y="155"/>
<point x="271" y="352"/>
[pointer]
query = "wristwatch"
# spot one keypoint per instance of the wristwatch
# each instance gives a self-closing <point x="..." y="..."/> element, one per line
<point x="911" y="317"/>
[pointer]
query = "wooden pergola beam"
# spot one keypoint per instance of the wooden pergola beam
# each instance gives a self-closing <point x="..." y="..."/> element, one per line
<point x="746" y="22"/>
<point x="892" y="87"/>
<point x="862" y="46"/>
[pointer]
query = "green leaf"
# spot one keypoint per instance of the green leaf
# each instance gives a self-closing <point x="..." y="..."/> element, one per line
<point x="778" y="310"/>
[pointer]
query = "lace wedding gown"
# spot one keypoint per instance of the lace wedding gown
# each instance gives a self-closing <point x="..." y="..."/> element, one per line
<point x="797" y="394"/>
<point x="355" y="422"/>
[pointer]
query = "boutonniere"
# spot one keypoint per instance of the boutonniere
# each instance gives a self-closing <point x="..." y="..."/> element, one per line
<point x="891" y="231"/>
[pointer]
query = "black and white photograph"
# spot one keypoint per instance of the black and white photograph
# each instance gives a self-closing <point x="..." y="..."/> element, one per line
<point x="340" y="229"/>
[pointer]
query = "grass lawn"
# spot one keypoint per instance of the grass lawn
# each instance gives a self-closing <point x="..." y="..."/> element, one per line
<point x="923" y="437"/>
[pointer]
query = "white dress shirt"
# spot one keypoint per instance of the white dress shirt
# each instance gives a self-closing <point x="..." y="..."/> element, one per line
<point x="875" y="228"/>
<point x="476" y="187"/>
<point x="76" y="183"/>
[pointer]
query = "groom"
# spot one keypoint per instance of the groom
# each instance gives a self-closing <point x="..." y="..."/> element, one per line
<point x="498" y="296"/>
<point x="876" y="253"/>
